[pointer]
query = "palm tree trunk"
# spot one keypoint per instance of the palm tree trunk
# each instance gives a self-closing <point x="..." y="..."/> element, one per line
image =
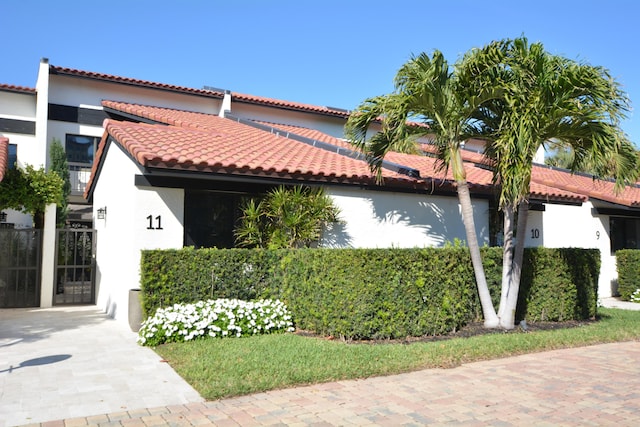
<point x="509" y="300"/>
<point x="507" y="260"/>
<point x="488" y="311"/>
<point x="507" y="256"/>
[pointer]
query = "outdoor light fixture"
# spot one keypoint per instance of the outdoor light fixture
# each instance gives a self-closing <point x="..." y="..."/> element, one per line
<point x="3" y="216"/>
<point x="102" y="213"/>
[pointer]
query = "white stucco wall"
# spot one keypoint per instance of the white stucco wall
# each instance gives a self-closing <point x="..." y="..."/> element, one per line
<point x="563" y="226"/>
<point x="125" y="230"/>
<point x="333" y="126"/>
<point x="376" y="219"/>
<point x="67" y="90"/>
<point x="18" y="106"/>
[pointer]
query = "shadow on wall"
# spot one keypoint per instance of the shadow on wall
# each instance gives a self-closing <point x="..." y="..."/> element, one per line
<point x="336" y="236"/>
<point x="429" y="219"/>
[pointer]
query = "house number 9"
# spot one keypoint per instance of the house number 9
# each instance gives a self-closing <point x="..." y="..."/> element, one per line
<point x="597" y="235"/>
<point x="157" y="222"/>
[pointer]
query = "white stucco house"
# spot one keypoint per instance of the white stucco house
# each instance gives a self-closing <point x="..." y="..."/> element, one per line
<point x="165" y="166"/>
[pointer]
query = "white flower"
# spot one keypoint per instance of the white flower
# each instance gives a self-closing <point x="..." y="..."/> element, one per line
<point x="214" y="318"/>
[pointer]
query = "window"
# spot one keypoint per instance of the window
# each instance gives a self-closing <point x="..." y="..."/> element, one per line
<point x="13" y="156"/>
<point x="625" y="233"/>
<point x="210" y="218"/>
<point x="80" y="148"/>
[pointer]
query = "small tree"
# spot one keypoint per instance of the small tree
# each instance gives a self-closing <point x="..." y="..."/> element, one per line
<point x="30" y="190"/>
<point x="285" y="218"/>
<point x="61" y="168"/>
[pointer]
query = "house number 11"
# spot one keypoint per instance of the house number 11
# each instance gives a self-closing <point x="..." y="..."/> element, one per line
<point x="158" y="223"/>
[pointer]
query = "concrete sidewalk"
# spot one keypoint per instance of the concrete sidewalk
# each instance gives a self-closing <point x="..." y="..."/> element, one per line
<point x="613" y="302"/>
<point x="75" y="361"/>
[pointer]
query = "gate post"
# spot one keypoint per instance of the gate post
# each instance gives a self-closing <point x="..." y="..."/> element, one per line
<point x="47" y="276"/>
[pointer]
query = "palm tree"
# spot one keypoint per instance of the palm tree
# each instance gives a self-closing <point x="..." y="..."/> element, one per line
<point x="547" y="99"/>
<point x="429" y="100"/>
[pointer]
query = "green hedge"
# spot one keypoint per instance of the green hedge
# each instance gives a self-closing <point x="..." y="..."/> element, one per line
<point x="382" y="293"/>
<point x="628" y="263"/>
<point x="373" y="293"/>
<point x="188" y="275"/>
<point x="559" y="284"/>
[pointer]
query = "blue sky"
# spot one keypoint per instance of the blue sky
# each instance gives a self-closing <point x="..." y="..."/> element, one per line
<point x="334" y="53"/>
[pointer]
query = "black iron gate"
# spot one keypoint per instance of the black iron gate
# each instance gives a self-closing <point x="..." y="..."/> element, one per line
<point x="75" y="267"/>
<point x="20" y="260"/>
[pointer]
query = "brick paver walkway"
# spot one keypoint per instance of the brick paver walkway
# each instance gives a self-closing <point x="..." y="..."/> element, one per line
<point x="589" y="386"/>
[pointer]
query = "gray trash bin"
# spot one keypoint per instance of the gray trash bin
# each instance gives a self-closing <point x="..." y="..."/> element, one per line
<point x="135" y="310"/>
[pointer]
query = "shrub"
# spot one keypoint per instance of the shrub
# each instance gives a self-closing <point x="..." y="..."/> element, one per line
<point x="628" y="263"/>
<point x="373" y="293"/>
<point x="285" y="218"/>
<point x="559" y="284"/>
<point x="188" y="275"/>
<point x="379" y="293"/>
<point x="214" y="318"/>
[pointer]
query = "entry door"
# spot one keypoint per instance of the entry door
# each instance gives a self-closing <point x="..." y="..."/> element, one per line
<point x="75" y="269"/>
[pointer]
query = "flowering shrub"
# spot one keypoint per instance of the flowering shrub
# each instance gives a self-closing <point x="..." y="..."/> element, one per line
<point x="214" y="318"/>
<point x="635" y="297"/>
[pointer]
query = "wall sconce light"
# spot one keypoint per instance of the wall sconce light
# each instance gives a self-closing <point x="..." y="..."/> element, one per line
<point x="3" y="216"/>
<point x="102" y="213"/>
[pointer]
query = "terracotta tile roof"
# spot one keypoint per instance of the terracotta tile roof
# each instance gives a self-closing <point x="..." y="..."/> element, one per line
<point x="197" y="141"/>
<point x="208" y="143"/>
<point x="4" y="156"/>
<point x="585" y="185"/>
<point x="310" y="133"/>
<point x="289" y="105"/>
<point x="18" y="89"/>
<point x="236" y="97"/>
<point x="540" y="189"/>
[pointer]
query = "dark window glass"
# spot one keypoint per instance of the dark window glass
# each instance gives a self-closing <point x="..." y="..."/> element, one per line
<point x="210" y="218"/>
<point x="625" y="233"/>
<point x="13" y="156"/>
<point x="80" y="149"/>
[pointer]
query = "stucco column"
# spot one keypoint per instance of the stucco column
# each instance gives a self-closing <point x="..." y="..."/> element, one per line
<point x="47" y="273"/>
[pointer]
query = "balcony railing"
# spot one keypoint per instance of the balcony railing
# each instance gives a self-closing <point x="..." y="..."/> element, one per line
<point x="79" y="174"/>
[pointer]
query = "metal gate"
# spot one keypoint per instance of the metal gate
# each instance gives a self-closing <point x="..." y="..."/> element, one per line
<point x="20" y="260"/>
<point x="75" y="266"/>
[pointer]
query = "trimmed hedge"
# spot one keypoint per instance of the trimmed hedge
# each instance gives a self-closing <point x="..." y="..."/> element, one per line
<point x="628" y="263"/>
<point x="188" y="275"/>
<point x="373" y="293"/>
<point x="381" y="293"/>
<point x="559" y="284"/>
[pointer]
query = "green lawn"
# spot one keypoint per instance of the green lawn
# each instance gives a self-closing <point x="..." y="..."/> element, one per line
<point x="219" y="368"/>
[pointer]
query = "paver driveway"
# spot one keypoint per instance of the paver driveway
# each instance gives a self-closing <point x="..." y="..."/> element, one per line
<point x="597" y="385"/>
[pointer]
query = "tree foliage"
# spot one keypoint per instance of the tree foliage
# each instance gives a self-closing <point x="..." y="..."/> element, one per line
<point x="438" y="102"/>
<point x="285" y="218"/>
<point x="517" y="97"/>
<point x="61" y="168"/>
<point x="30" y="190"/>
<point x="546" y="100"/>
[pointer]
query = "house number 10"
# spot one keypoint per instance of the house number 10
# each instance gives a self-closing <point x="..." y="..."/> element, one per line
<point x="158" y="223"/>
